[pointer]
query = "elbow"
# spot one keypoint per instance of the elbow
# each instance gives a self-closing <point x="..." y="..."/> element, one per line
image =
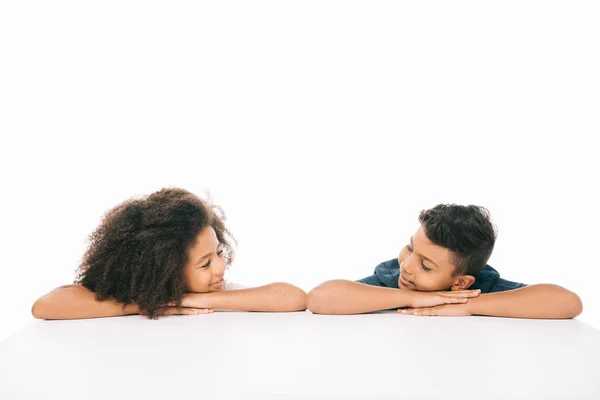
<point x="571" y="304"/>
<point x="41" y="309"/>
<point x="575" y="305"/>
<point x="294" y="297"/>
<point x="314" y="300"/>
<point x="37" y="309"/>
<point x="317" y="300"/>
<point x="48" y="306"/>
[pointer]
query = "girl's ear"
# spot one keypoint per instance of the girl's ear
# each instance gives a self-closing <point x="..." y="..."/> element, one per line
<point x="462" y="282"/>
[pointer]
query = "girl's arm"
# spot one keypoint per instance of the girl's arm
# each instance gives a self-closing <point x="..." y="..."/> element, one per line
<point x="275" y="297"/>
<point x="77" y="302"/>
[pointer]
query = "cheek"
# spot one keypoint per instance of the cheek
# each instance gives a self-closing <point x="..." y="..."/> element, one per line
<point x="404" y="253"/>
<point x="432" y="282"/>
<point x="198" y="281"/>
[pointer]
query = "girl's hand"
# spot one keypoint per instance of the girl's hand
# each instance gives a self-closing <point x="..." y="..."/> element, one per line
<point x="181" y="311"/>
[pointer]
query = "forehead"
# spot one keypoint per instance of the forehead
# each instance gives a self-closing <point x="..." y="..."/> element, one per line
<point x="206" y="241"/>
<point x="425" y="247"/>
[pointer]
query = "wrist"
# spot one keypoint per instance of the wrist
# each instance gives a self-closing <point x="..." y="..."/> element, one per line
<point x="131" y="309"/>
<point x="475" y="305"/>
<point x="406" y="298"/>
<point x="199" y="300"/>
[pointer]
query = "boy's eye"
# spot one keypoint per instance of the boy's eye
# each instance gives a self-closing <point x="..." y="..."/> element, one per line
<point x="220" y="253"/>
<point x="425" y="268"/>
<point x="206" y="265"/>
<point x="409" y="248"/>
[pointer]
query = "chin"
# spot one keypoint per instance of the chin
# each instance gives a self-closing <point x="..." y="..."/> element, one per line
<point x="404" y="287"/>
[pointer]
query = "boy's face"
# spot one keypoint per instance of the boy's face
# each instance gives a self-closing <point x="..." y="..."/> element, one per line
<point x="425" y="266"/>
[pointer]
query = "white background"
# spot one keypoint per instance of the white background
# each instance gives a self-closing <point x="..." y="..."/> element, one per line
<point x="322" y="128"/>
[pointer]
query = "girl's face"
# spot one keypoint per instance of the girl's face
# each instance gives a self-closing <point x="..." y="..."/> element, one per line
<point x="206" y="266"/>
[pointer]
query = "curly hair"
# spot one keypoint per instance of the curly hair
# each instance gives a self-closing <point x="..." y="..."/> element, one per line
<point x="467" y="231"/>
<point x="139" y="251"/>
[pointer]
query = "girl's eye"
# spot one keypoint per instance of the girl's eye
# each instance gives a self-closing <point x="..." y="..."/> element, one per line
<point x="409" y="248"/>
<point x="425" y="268"/>
<point x="220" y="253"/>
<point x="206" y="265"/>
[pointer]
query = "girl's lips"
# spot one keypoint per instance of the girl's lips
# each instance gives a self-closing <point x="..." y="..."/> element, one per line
<point x="218" y="283"/>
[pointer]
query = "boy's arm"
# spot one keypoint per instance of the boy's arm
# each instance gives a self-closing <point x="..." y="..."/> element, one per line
<point x="77" y="302"/>
<point x="534" y="301"/>
<point x="347" y="297"/>
<point x="275" y="297"/>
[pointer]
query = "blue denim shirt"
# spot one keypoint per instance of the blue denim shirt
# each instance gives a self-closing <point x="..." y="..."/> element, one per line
<point x="387" y="273"/>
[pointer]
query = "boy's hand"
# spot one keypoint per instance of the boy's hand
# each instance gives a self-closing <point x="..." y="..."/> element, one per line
<point x="446" y="310"/>
<point x="432" y="299"/>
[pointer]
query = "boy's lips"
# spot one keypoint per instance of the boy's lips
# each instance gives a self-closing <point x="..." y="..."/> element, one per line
<point x="405" y="281"/>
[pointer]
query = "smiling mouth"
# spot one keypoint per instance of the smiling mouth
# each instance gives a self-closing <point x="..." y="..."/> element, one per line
<point x="218" y="283"/>
<point x="405" y="281"/>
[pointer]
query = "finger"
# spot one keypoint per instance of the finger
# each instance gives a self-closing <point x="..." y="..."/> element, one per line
<point x="463" y="293"/>
<point x="405" y="311"/>
<point x="409" y="311"/>
<point x="183" y="303"/>
<point x="167" y="311"/>
<point x="417" y="311"/>
<point x="205" y="310"/>
<point x="456" y="300"/>
<point x="185" y="311"/>
<point x="424" y="312"/>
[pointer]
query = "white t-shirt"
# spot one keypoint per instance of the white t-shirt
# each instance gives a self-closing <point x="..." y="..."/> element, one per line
<point x="234" y="286"/>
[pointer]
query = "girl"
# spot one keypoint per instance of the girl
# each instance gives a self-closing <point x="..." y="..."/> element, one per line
<point x="163" y="254"/>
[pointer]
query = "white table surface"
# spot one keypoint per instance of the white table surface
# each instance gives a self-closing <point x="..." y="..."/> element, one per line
<point x="231" y="355"/>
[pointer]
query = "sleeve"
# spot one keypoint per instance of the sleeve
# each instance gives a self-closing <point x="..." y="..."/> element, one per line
<point x="502" y="285"/>
<point x="386" y="274"/>
<point x="489" y="281"/>
<point x="372" y="280"/>
<point x="234" y="286"/>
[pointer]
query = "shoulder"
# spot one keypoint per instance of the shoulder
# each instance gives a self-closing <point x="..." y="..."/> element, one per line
<point x="385" y="274"/>
<point x="489" y="281"/>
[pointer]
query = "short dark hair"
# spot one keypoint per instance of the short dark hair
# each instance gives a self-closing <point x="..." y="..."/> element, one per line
<point x="139" y="251"/>
<point x="466" y="231"/>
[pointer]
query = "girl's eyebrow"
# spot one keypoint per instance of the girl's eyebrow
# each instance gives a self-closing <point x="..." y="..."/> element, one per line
<point x="204" y="257"/>
<point x="208" y="254"/>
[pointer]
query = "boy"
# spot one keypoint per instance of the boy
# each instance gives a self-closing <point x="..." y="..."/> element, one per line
<point x="443" y="271"/>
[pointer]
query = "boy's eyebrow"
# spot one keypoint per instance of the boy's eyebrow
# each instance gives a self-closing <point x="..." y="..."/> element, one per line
<point x="422" y="256"/>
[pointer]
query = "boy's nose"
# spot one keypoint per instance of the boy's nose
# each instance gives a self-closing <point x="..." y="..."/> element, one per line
<point x="407" y="266"/>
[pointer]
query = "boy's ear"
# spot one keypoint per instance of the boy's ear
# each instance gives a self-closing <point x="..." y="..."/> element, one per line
<point x="462" y="282"/>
